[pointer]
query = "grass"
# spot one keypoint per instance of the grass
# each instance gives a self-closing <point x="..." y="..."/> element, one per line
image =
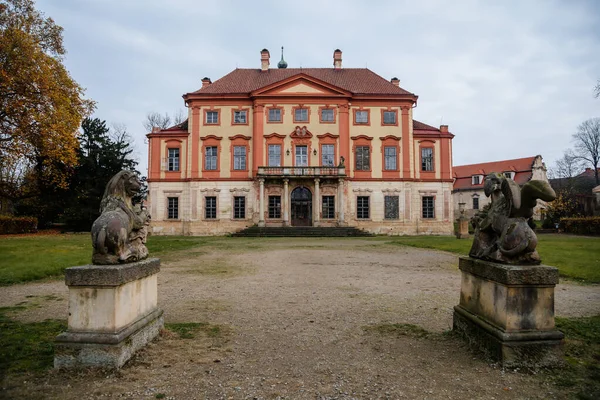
<point x="582" y="353"/>
<point x="576" y="257"/>
<point x="26" y="347"/>
<point x="189" y="330"/>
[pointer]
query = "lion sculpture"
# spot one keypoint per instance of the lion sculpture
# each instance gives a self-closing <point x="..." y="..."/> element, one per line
<point x="119" y="233"/>
<point x="503" y="229"/>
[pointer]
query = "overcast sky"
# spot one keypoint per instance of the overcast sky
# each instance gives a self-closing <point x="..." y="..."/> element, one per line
<point x="511" y="78"/>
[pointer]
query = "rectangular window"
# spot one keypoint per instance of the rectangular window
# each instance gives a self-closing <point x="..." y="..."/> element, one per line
<point x="327" y="155"/>
<point x="392" y="209"/>
<point x="427" y="159"/>
<point x="428" y="205"/>
<point x="389" y="117"/>
<point x="173" y="160"/>
<point x="390" y="158"/>
<point x="301" y="114"/>
<point x="326" y="115"/>
<point x="362" y="158"/>
<point x="274" y="206"/>
<point x="476" y="180"/>
<point x="239" y="117"/>
<point x="212" y="117"/>
<point x="328" y="207"/>
<point x="301" y="156"/>
<point x="210" y="207"/>
<point x="362" y="207"/>
<point x="239" y="158"/>
<point x="475" y="203"/>
<point x="239" y="207"/>
<point x="508" y="175"/>
<point x="274" y="114"/>
<point x="361" y="117"/>
<point x="172" y="207"/>
<point x="274" y="155"/>
<point x="210" y="159"/>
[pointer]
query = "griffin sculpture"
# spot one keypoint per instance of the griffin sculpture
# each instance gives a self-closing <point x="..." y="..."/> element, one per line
<point x="504" y="228"/>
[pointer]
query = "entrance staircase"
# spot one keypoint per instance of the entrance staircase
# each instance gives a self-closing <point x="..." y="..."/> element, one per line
<point x="301" y="231"/>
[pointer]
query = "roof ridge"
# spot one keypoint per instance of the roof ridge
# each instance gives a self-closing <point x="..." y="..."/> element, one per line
<point x="497" y="161"/>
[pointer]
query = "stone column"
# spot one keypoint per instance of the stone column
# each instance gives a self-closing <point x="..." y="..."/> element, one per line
<point x="341" y="221"/>
<point x="285" y="203"/>
<point x="261" y="207"/>
<point x="317" y="203"/>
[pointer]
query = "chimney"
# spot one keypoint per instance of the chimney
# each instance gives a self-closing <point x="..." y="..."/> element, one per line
<point x="206" y="81"/>
<point x="395" y="81"/>
<point x="264" y="60"/>
<point x="444" y="128"/>
<point x="155" y="129"/>
<point x="337" y="59"/>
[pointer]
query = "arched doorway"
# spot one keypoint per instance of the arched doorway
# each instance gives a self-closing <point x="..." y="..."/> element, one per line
<point x="301" y="207"/>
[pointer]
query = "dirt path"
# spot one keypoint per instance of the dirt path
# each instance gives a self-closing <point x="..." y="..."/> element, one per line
<point x="293" y="319"/>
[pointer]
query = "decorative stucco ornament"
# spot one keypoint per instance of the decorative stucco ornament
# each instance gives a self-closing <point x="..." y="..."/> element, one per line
<point x="119" y="233"/>
<point x="503" y="228"/>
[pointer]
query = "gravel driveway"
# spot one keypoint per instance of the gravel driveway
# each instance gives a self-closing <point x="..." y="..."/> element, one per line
<point x="301" y="319"/>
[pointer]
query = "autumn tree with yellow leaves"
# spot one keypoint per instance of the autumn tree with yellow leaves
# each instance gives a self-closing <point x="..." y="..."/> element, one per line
<point x="41" y="106"/>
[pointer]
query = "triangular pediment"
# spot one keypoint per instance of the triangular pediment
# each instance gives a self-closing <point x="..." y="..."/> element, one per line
<point x="301" y="85"/>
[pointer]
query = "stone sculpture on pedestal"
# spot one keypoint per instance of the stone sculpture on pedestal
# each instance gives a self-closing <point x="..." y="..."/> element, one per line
<point x="506" y="303"/>
<point x="113" y="303"/>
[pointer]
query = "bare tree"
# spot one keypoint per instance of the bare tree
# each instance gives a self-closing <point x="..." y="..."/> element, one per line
<point x="568" y="166"/>
<point x="597" y="89"/>
<point x="587" y="144"/>
<point x="179" y="117"/>
<point x="154" y="119"/>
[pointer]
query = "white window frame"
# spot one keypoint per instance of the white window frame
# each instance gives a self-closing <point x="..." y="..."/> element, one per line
<point x="274" y="156"/>
<point x="301" y="158"/>
<point x="240" y="117"/>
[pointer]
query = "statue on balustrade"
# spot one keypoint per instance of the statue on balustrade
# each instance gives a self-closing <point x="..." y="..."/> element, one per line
<point x="119" y="233"/>
<point x="504" y="228"/>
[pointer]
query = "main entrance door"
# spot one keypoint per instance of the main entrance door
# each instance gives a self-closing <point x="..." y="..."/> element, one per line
<point x="301" y="207"/>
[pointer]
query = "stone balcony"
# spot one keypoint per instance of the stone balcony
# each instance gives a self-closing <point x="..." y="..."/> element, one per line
<point x="302" y="172"/>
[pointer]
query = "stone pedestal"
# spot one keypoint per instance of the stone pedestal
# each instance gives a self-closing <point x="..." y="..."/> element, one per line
<point x="463" y="228"/>
<point x="113" y="312"/>
<point x="507" y="311"/>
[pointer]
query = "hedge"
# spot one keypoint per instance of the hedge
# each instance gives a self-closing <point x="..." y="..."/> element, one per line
<point x="581" y="226"/>
<point x="9" y="224"/>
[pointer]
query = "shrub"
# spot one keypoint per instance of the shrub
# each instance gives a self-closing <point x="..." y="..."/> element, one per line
<point x="9" y="224"/>
<point x="548" y="223"/>
<point x="581" y="226"/>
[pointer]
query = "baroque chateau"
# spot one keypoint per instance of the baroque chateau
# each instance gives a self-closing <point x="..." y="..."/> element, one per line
<point x="301" y="147"/>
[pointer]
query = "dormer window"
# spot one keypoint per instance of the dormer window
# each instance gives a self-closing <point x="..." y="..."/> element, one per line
<point x="509" y="174"/>
<point x="476" y="180"/>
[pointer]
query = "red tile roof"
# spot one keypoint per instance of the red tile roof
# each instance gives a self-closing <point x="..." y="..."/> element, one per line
<point x="521" y="166"/>
<point x="419" y="126"/>
<point x="354" y="80"/>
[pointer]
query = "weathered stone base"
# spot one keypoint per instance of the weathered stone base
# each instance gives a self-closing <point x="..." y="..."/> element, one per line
<point x="106" y="350"/>
<point x="507" y="311"/>
<point x="522" y="349"/>
<point x="113" y="312"/>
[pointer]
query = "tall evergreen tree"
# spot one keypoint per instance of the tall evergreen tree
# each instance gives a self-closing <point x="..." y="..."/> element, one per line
<point x="101" y="155"/>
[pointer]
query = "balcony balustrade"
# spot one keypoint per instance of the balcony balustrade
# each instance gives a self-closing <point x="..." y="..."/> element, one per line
<point x="302" y="172"/>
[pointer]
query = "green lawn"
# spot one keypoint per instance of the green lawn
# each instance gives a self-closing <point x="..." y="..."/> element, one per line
<point x="36" y="257"/>
<point x="576" y="257"/>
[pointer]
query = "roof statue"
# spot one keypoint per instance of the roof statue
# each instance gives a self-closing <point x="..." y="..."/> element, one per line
<point x="119" y="233"/>
<point x="503" y="228"/>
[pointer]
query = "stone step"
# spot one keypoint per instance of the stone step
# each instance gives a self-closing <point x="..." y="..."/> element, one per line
<point x="308" y="231"/>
